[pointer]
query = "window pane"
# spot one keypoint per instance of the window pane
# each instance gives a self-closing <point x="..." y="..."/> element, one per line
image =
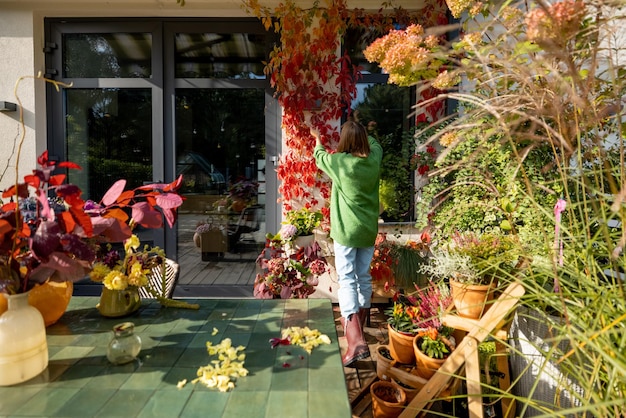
<point x="355" y="41"/>
<point x="215" y="55"/>
<point x="384" y="109"/>
<point x="107" y="55"/>
<point x="220" y="141"/>
<point x="109" y="134"/>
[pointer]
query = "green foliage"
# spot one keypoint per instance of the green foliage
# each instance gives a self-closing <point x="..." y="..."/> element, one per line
<point x="541" y="119"/>
<point x="396" y="188"/>
<point x="304" y="220"/>
<point x="482" y="186"/>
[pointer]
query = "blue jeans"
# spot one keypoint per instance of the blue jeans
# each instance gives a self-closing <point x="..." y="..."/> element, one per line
<point x="355" y="280"/>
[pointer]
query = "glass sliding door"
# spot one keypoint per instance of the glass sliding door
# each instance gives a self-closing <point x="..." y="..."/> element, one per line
<point x="226" y="129"/>
<point x="109" y="135"/>
<point x="154" y="98"/>
<point x="220" y="150"/>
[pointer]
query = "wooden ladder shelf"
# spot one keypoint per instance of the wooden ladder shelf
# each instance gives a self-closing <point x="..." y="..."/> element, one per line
<point x="466" y="354"/>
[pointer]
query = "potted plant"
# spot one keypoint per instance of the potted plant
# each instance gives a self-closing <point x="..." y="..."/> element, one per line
<point x="432" y="347"/>
<point x="388" y="399"/>
<point x="304" y="219"/>
<point x="242" y="193"/>
<point x="473" y="263"/>
<point x="412" y="313"/>
<point x="288" y="274"/>
<point x="211" y="240"/>
<point x="122" y="277"/>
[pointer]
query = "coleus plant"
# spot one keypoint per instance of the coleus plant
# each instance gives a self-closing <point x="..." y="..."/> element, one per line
<point x="47" y="231"/>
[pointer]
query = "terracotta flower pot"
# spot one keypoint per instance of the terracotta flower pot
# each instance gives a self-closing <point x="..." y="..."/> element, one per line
<point x="388" y="399"/>
<point x="384" y="361"/>
<point x="425" y="366"/>
<point x="50" y="298"/>
<point x="471" y="300"/>
<point x="410" y="391"/>
<point x="401" y="346"/>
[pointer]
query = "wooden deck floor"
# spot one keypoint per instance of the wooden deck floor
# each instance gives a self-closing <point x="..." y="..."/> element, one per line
<point x="227" y="274"/>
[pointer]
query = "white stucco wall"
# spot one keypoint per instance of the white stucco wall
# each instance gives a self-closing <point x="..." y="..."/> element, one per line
<point x="16" y="50"/>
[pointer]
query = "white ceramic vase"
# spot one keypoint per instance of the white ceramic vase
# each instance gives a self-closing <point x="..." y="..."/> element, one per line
<point x="23" y="345"/>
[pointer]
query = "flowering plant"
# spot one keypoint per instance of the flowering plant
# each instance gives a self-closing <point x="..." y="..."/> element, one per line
<point x="55" y="238"/>
<point x="382" y="262"/>
<point x="436" y="342"/>
<point x="133" y="270"/>
<point x="396" y="264"/>
<point x="475" y="258"/>
<point x="288" y="275"/>
<point x="304" y="219"/>
<point x="419" y="310"/>
<point x="424" y="160"/>
<point x="244" y="189"/>
<point x="406" y="54"/>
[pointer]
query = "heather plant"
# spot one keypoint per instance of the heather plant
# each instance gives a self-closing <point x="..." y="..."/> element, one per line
<point x="538" y="145"/>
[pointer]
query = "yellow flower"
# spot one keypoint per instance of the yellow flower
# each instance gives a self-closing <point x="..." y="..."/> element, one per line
<point x="448" y="139"/>
<point x="137" y="276"/>
<point x="99" y="272"/>
<point x="115" y="280"/>
<point x="132" y="243"/>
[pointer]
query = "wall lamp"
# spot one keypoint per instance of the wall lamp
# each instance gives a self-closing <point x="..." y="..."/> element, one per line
<point x="7" y="106"/>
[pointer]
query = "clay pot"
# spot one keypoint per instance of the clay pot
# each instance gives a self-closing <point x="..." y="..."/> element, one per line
<point x="388" y="399"/>
<point x="425" y="366"/>
<point x="470" y="300"/>
<point x="401" y="346"/>
<point x="383" y="362"/>
<point x="411" y="392"/>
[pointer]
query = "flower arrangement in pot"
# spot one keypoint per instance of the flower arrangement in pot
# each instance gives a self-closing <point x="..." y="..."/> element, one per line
<point x="304" y="220"/>
<point x="288" y="274"/>
<point x="432" y="347"/>
<point x="242" y="193"/>
<point x="473" y="263"/>
<point x="412" y="313"/>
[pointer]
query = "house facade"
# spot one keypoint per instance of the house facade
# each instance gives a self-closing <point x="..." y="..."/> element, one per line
<point x="147" y="90"/>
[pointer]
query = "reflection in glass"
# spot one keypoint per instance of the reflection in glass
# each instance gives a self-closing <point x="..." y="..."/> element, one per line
<point x="215" y="55"/>
<point x="384" y="109"/>
<point x="109" y="134"/>
<point x="107" y="55"/>
<point x="220" y="151"/>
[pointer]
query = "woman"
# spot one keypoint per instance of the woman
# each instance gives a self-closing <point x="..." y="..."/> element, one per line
<point x="354" y="170"/>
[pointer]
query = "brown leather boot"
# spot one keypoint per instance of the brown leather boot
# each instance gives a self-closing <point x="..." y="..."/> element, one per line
<point x="357" y="347"/>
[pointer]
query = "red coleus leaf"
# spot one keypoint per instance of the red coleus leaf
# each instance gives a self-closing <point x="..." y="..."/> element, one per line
<point x="82" y="219"/>
<point x="69" y="164"/>
<point x="43" y="161"/>
<point x="117" y="214"/>
<point x="110" y="197"/>
<point x="67" y="221"/>
<point x="146" y="216"/>
<point x="125" y="198"/>
<point x="56" y="180"/>
<point x="32" y="180"/>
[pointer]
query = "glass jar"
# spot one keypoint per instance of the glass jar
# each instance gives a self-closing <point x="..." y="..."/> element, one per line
<point x="125" y="345"/>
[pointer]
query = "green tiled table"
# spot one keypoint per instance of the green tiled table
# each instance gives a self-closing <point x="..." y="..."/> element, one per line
<point x="80" y="382"/>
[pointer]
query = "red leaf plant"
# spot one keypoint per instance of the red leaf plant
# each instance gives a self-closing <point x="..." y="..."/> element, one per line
<point x="47" y="231"/>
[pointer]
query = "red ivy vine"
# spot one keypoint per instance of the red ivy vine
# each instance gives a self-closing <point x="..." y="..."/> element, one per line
<point x="307" y="71"/>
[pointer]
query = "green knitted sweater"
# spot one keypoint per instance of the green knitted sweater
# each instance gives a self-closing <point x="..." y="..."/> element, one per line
<point x="354" y="203"/>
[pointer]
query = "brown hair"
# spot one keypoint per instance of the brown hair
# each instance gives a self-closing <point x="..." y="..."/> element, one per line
<point x="354" y="139"/>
